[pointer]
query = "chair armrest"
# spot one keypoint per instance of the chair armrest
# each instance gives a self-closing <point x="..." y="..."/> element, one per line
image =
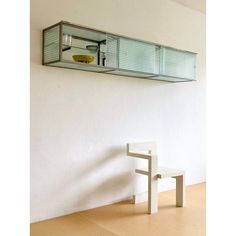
<point x="139" y="155"/>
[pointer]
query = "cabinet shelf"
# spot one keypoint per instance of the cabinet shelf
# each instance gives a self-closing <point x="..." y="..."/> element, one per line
<point x="115" y="54"/>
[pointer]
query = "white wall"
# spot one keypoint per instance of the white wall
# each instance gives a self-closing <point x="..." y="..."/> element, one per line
<point x="81" y="121"/>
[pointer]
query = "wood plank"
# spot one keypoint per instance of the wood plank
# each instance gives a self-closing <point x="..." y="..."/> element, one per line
<point x="165" y="172"/>
<point x="142" y="172"/>
<point x="127" y="219"/>
<point x="162" y="172"/>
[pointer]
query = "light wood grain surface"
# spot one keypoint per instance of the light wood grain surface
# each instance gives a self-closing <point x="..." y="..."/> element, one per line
<point x="127" y="219"/>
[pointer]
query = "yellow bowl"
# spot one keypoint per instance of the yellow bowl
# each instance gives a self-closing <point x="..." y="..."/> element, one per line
<point x="83" y="58"/>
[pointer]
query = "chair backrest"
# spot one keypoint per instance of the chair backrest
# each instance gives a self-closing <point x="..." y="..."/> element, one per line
<point x="146" y="147"/>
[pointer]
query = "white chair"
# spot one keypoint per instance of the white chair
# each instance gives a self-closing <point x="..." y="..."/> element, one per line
<point x="154" y="172"/>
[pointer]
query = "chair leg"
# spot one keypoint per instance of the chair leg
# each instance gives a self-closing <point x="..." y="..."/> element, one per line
<point x="152" y="196"/>
<point x="180" y="191"/>
<point x="152" y="186"/>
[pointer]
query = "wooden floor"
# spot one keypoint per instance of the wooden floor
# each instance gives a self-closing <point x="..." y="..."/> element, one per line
<point x="127" y="219"/>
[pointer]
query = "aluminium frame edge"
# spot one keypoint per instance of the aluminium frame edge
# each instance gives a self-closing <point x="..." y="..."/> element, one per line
<point x="110" y="69"/>
<point x="43" y="32"/>
<point x="60" y="40"/>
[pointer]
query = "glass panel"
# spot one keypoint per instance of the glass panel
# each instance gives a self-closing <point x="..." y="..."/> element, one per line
<point x="129" y="73"/>
<point x="137" y="56"/>
<point x="91" y="50"/>
<point x="80" y="66"/>
<point x="79" y="48"/>
<point x="51" y="44"/>
<point x="111" y="49"/>
<point x="85" y="46"/>
<point x="81" y="32"/>
<point x="177" y="63"/>
<point x="80" y="45"/>
<point x="157" y="61"/>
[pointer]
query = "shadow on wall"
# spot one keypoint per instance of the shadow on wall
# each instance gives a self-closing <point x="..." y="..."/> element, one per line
<point x="110" y="155"/>
<point x="91" y="185"/>
<point x="107" y="188"/>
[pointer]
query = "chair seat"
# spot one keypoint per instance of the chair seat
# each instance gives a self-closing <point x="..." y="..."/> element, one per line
<point x="162" y="172"/>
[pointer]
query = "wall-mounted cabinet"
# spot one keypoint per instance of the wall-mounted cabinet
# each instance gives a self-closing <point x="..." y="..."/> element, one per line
<point x="76" y="47"/>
